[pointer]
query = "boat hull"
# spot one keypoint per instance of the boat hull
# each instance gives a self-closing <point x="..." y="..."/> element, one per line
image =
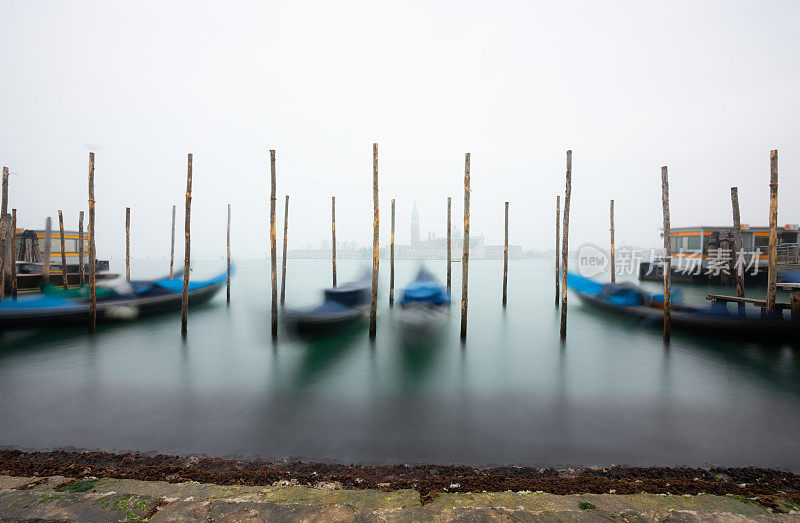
<point x="107" y="311"/>
<point x="690" y="320"/>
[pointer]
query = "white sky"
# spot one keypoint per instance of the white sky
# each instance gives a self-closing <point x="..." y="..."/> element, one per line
<point x="707" y="88"/>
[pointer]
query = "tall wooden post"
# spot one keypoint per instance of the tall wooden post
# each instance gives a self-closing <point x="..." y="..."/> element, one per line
<point x="465" y="255"/>
<point x="272" y="246"/>
<point x="187" y="249"/>
<point x="3" y="227"/>
<point x="128" y="243"/>
<point x="449" y="245"/>
<point x="48" y="240"/>
<point x="14" y="253"/>
<point x="613" y="259"/>
<point x="667" y="265"/>
<point x="738" y="269"/>
<point x="505" y="262"/>
<point x="391" y="262"/>
<point x="373" y="308"/>
<point x="81" y="254"/>
<point x="333" y="237"/>
<point x="558" y="247"/>
<point x="172" y="246"/>
<point x="64" y="272"/>
<point x="285" y="247"/>
<point x="228" y="244"/>
<point x="772" y="268"/>
<point x="92" y="255"/>
<point x="565" y="247"/>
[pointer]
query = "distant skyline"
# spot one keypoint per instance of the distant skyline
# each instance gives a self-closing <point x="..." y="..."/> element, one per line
<point x="706" y="88"/>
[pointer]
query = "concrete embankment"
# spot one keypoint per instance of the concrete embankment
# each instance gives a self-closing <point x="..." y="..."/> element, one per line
<point x="108" y="499"/>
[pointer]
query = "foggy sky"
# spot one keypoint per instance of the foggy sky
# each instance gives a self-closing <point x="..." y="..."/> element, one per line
<point x="707" y="88"/>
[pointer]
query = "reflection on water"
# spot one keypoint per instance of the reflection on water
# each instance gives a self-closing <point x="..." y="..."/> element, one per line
<point x="612" y="393"/>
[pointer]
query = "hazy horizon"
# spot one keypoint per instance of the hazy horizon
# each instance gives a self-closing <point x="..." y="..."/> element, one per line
<point x="705" y="88"/>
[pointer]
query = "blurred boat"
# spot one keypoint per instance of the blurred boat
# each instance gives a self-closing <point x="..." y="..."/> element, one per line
<point x="424" y="304"/>
<point x="342" y="308"/>
<point x="116" y="300"/>
<point x="633" y="302"/>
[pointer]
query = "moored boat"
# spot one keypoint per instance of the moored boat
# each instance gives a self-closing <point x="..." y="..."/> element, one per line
<point x="116" y="300"/>
<point x="424" y="302"/>
<point x="632" y="302"/>
<point x="342" y="308"/>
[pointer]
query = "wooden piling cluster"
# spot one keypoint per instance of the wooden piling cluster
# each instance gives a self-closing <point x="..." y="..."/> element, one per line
<point x="81" y="254"/>
<point x="333" y="237"/>
<point x="92" y="255"/>
<point x="558" y="247"/>
<point x="449" y="246"/>
<point x="3" y="240"/>
<point x="505" y="261"/>
<point x="285" y="246"/>
<point x="373" y="308"/>
<point x="187" y="250"/>
<point x="565" y="247"/>
<point x="772" y="268"/>
<point x="14" y="251"/>
<point x="228" y="250"/>
<point x="613" y="262"/>
<point x="172" y="246"/>
<point x="391" y="262"/>
<point x="738" y="269"/>
<point x="48" y="241"/>
<point x="465" y="255"/>
<point x="667" y="261"/>
<point x="128" y="243"/>
<point x="272" y="246"/>
<point x="64" y="272"/>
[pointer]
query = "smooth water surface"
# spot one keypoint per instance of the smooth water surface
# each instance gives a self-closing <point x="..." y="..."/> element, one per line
<point x="513" y="394"/>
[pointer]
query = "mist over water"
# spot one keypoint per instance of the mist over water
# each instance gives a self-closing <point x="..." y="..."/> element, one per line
<point x="513" y="394"/>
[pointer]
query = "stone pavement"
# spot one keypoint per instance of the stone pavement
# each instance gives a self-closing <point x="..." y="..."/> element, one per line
<point x="63" y="499"/>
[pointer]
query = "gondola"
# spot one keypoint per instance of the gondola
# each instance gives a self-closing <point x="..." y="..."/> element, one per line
<point x="718" y="320"/>
<point x="424" y="303"/>
<point x="116" y="301"/>
<point x="342" y="308"/>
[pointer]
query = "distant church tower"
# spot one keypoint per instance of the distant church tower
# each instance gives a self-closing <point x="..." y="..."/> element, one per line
<point x="415" y="226"/>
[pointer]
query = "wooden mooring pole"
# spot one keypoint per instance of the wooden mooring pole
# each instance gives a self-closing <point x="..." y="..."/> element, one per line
<point x="667" y="261"/>
<point x="92" y="265"/>
<point x="172" y="246"/>
<point x="772" y="267"/>
<point x="613" y="262"/>
<point x="228" y="249"/>
<point x="64" y="272"/>
<point x="3" y="239"/>
<point x="14" y="253"/>
<point x="465" y="255"/>
<point x="333" y="237"/>
<point x="128" y="243"/>
<point x="391" y="262"/>
<point x="285" y="247"/>
<point x="81" y="253"/>
<point x="187" y="249"/>
<point x="558" y="248"/>
<point x="373" y="308"/>
<point x="565" y="247"/>
<point x="272" y="246"/>
<point x="449" y="246"/>
<point x="48" y="240"/>
<point x="738" y="269"/>
<point x="505" y="262"/>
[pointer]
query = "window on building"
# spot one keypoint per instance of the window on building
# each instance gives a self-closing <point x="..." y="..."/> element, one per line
<point x="762" y="244"/>
<point x="693" y="243"/>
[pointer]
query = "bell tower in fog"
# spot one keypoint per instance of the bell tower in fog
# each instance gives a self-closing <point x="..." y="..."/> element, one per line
<point x="414" y="225"/>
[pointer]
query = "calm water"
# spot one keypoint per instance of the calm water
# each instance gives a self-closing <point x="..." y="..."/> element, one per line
<point x="513" y="394"/>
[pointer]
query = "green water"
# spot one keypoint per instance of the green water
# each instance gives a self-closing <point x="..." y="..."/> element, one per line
<point x="513" y="393"/>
